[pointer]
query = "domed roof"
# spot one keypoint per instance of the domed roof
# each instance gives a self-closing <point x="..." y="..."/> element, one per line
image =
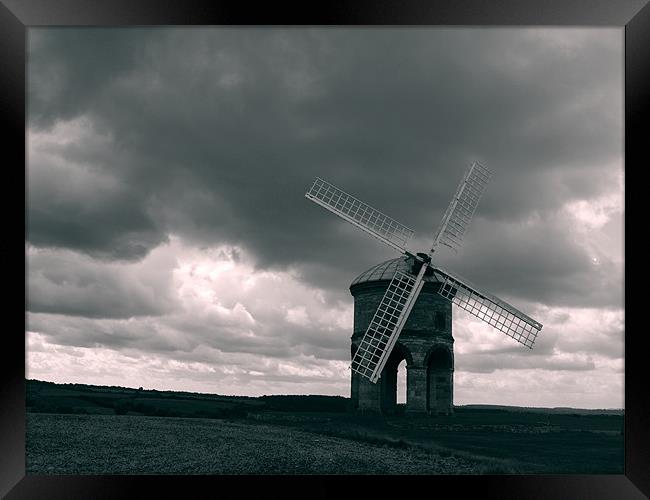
<point x="386" y="270"/>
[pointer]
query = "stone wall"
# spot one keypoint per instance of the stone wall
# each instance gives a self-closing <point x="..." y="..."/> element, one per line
<point x="426" y="343"/>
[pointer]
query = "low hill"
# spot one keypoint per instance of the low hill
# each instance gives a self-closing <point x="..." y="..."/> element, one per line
<point x="49" y="397"/>
<point x="557" y="409"/>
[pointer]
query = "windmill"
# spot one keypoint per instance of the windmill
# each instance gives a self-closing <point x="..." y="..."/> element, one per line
<point x="404" y="287"/>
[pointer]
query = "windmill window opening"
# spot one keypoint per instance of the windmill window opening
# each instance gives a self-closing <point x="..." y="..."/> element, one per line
<point x="401" y="382"/>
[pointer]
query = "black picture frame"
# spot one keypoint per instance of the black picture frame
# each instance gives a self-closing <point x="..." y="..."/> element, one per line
<point x="634" y="15"/>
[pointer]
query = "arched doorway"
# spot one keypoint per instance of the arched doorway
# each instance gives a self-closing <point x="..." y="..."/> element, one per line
<point x="439" y="365"/>
<point x="388" y="380"/>
<point x="401" y="383"/>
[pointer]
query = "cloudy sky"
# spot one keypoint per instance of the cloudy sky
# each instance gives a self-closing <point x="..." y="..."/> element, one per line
<point x="170" y="245"/>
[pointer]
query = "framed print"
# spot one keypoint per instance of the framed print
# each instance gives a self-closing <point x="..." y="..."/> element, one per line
<point x="200" y="181"/>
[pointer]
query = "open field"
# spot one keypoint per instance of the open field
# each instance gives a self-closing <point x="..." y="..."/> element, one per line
<point x="100" y="444"/>
<point x="76" y="429"/>
<point x="307" y="444"/>
<point x="505" y="441"/>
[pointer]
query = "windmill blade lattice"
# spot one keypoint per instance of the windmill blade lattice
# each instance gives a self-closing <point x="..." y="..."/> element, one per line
<point x="402" y="292"/>
<point x="387" y="323"/>
<point x="360" y="214"/>
<point x="488" y="308"/>
<point x="462" y="207"/>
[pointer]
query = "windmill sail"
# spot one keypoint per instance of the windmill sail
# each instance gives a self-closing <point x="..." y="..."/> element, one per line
<point x="360" y="214"/>
<point x="402" y="292"/>
<point x="488" y="308"/>
<point x="387" y="323"/>
<point x="461" y="209"/>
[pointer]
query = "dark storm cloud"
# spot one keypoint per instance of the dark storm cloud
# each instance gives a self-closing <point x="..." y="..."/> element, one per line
<point x="120" y="229"/>
<point x="76" y="201"/>
<point x="70" y="68"/>
<point x="69" y="284"/>
<point x="538" y="262"/>
<point x="215" y="134"/>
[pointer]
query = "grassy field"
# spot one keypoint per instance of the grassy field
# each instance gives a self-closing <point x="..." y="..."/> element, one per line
<point x="306" y="443"/>
<point x="123" y="444"/>
<point x="506" y="441"/>
<point x="77" y="429"/>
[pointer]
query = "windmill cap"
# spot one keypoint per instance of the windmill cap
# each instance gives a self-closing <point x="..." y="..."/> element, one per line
<point x="386" y="270"/>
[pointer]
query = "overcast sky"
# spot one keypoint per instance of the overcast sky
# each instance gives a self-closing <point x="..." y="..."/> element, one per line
<point x="170" y="245"/>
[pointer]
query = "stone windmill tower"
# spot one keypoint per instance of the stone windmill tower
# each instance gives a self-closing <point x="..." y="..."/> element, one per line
<point x="411" y="295"/>
<point x="426" y="343"/>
